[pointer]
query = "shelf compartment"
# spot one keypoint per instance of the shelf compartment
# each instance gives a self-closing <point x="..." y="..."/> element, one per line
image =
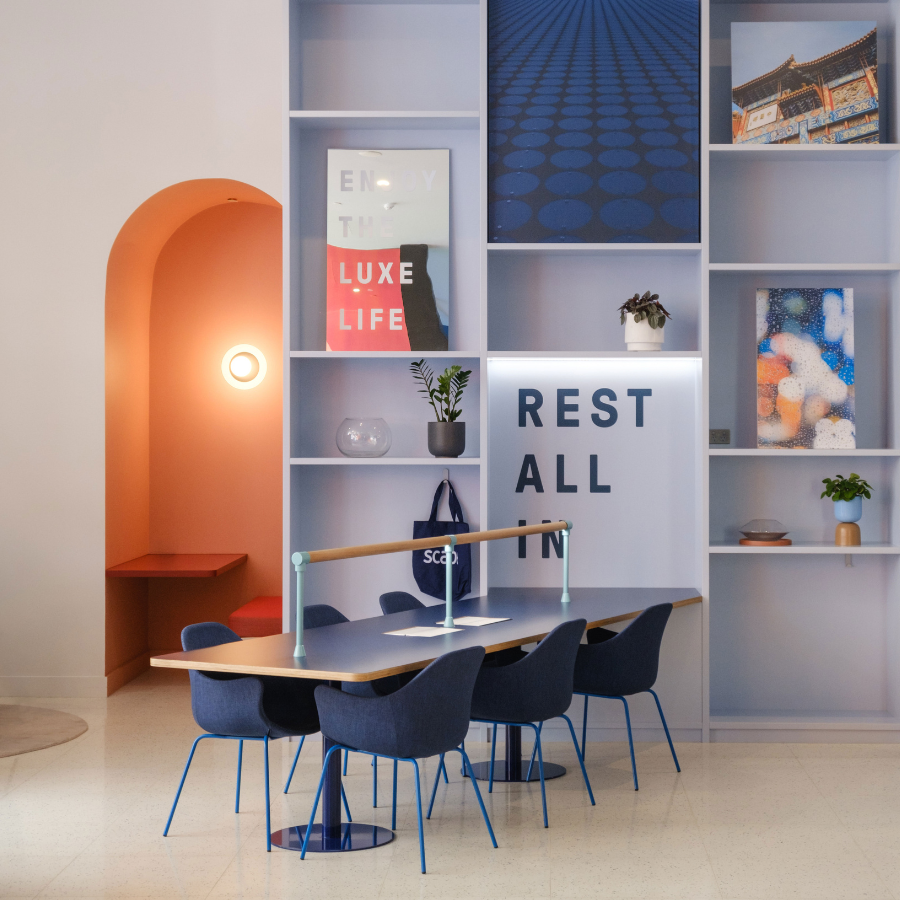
<point x="421" y="56"/>
<point x="445" y="462"/>
<point x="564" y="301"/>
<point x="814" y="547"/>
<point x="390" y="119"/>
<point x="177" y="565"/>
<point x="326" y="391"/>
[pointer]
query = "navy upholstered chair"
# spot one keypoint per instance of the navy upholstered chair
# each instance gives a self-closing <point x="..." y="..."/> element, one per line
<point x="320" y="615"/>
<point x="244" y="708"/>
<point x="427" y="717"/>
<point x="533" y="690"/>
<point x="398" y="601"/>
<point x="624" y="665"/>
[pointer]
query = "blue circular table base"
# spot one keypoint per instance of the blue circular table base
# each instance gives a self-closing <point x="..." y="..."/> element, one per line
<point x="551" y="770"/>
<point x="354" y="836"/>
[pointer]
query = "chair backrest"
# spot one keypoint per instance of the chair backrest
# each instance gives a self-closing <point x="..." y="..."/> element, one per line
<point x="398" y="601"/>
<point x="431" y="714"/>
<point x="321" y="614"/>
<point x="207" y="634"/>
<point x="629" y="663"/>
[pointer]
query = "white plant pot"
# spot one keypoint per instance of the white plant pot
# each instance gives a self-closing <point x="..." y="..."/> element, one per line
<point x="640" y="336"/>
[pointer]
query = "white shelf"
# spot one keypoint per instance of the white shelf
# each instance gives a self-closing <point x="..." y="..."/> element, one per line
<point x="383" y="354"/>
<point x="773" y="721"/>
<point x="384" y="119"/>
<point x="824" y="268"/>
<point x="811" y="547"/>
<point x="799" y="454"/>
<point x="594" y="354"/>
<point x="607" y="249"/>
<point x="803" y="152"/>
<point x="444" y="461"/>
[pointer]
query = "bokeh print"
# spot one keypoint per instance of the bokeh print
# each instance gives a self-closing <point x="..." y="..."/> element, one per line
<point x="804" y="368"/>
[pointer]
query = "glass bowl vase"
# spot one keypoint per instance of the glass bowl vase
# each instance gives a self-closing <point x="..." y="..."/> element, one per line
<point x="362" y="438"/>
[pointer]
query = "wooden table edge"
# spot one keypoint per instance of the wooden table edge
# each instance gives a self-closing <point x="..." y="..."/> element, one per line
<point x="166" y="662"/>
<point x="203" y="572"/>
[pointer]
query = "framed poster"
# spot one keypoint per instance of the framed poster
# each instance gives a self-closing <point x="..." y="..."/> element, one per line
<point x="388" y="255"/>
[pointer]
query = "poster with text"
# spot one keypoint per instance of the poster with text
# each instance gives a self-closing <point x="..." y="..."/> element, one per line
<point x="388" y="234"/>
<point x="610" y="445"/>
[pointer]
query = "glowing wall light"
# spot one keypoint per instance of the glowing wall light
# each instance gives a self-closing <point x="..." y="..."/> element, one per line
<point x="244" y="366"/>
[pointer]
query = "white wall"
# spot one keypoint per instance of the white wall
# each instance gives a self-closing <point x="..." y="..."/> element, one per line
<point x="104" y="103"/>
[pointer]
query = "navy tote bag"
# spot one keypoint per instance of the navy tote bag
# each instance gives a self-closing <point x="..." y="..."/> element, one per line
<point x="429" y="566"/>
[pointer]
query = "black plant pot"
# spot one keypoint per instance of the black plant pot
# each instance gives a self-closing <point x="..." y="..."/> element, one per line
<point x="446" y="438"/>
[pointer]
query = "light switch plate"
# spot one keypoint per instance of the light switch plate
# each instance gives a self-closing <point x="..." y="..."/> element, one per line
<point x="720" y="435"/>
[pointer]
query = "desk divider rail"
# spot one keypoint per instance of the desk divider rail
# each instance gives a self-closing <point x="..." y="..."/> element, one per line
<point x="302" y="558"/>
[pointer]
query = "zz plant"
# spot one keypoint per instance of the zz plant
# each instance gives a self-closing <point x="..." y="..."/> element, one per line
<point x="647" y="307"/>
<point x="444" y="398"/>
<point x="840" y="488"/>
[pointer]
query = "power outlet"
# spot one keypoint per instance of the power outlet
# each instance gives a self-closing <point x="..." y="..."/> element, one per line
<point x="720" y="435"/>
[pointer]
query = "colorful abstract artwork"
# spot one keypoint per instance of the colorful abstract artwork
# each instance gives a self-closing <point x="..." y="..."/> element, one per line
<point x="594" y="121"/>
<point x="804" y="368"/>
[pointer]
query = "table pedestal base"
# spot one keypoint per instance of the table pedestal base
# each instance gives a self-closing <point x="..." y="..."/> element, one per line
<point x="514" y="768"/>
<point x="352" y="836"/>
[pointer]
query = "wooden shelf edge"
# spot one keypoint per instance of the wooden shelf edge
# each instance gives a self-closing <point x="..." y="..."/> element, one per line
<point x="177" y="565"/>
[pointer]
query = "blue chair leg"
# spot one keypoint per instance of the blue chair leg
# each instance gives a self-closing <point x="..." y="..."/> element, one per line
<point x="183" y="776"/>
<point x="312" y="815"/>
<point x="584" y="726"/>
<point x="630" y="741"/>
<point x="294" y="765"/>
<point x="419" y="810"/>
<point x="374" y="782"/>
<point x="493" y="751"/>
<point x="394" y="801"/>
<point x="237" y="790"/>
<point x="468" y="765"/>
<point x="587" y="783"/>
<point x="346" y="804"/>
<point x="268" y="811"/>
<point x="537" y="740"/>
<point x="666" y="729"/>
<point x="437" y="778"/>
<point x="533" y="754"/>
<point x="346" y="757"/>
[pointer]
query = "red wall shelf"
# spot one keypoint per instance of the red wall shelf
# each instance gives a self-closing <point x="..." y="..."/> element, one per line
<point x="177" y="565"/>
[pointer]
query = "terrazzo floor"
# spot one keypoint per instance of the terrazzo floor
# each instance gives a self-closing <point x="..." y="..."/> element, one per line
<point x="747" y="821"/>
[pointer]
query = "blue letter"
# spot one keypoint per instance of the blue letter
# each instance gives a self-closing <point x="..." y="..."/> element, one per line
<point x="530" y="409"/>
<point x="529" y="464"/>
<point x="612" y="412"/>
<point x="597" y="488"/>
<point x="639" y="394"/>
<point x="561" y="486"/>
<point x="562" y="408"/>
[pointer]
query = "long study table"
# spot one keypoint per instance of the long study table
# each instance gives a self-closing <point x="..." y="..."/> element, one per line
<point x="362" y="651"/>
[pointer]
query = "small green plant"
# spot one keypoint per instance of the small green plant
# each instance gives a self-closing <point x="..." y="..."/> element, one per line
<point x="840" y="488"/>
<point x="444" y="398"/>
<point x="647" y="307"/>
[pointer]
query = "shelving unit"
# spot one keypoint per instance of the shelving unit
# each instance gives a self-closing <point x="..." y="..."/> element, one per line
<point x="790" y="648"/>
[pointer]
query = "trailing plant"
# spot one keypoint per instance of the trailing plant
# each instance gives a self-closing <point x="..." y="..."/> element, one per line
<point x="444" y="398"/>
<point x="647" y="307"/>
<point x="840" y="488"/>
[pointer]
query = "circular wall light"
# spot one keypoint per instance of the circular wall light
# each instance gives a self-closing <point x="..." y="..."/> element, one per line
<point x="244" y="366"/>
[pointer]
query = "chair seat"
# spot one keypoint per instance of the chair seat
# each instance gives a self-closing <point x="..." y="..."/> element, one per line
<point x="258" y="618"/>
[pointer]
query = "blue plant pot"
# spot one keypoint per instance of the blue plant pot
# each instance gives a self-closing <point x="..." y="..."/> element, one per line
<point x="848" y="510"/>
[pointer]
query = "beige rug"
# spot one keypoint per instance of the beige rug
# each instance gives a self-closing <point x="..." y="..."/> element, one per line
<point x="27" y="728"/>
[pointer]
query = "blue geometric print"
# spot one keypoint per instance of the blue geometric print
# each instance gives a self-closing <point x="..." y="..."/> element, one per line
<point x="594" y="121"/>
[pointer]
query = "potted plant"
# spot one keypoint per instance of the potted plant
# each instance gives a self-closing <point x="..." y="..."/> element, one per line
<point x="644" y="319"/>
<point x="446" y="436"/>
<point x="847" y="494"/>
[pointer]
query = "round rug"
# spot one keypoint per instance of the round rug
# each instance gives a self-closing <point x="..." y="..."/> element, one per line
<point x="27" y="728"/>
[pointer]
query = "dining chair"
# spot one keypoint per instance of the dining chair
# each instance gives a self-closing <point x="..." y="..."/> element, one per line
<point x="398" y="601"/>
<point x="320" y="615"/>
<point x="244" y="708"/>
<point x="622" y="666"/>
<point x="533" y="690"/>
<point x="427" y="717"/>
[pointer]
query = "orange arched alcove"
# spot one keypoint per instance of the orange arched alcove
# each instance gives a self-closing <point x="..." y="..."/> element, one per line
<point x="192" y="464"/>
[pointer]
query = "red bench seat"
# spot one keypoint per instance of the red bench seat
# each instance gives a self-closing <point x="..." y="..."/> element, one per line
<point x="258" y="618"/>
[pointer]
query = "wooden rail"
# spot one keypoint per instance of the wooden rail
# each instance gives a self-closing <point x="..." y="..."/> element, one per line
<point x="474" y="537"/>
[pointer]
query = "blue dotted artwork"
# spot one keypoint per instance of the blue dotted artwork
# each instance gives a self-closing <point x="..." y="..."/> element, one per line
<point x="609" y="90"/>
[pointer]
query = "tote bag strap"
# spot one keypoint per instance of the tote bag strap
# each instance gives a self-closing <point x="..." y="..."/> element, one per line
<point x="455" y="509"/>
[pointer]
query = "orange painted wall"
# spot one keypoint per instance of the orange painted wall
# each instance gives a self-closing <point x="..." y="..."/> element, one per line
<point x="215" y="451"/>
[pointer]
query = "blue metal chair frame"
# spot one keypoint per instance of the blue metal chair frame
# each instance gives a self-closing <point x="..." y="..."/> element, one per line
<point x="291" y="775"/>
<point x="415" y="764"/>
<point x="540" y="757"/>
<point x="662" y="719"/>
<point x="237" y="793"/>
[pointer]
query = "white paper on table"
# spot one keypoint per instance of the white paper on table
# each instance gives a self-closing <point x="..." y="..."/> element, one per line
<point x="477" y="621"/>
<point x="422" y="631"/>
